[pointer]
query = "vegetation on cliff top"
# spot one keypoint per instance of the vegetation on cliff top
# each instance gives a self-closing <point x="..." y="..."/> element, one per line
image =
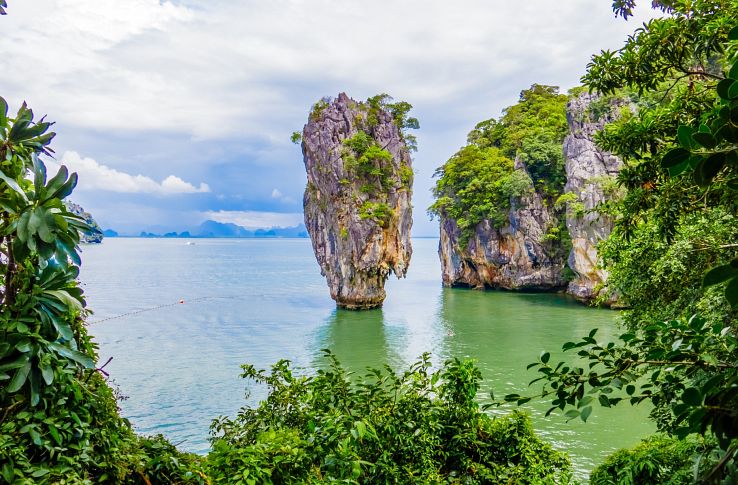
<point x="480" y="180"/>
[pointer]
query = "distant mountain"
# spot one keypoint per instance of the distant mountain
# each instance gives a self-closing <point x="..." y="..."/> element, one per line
<point x="228" y="230"/>
<point x="110" y="233"/>
<point x="220" y="229"/>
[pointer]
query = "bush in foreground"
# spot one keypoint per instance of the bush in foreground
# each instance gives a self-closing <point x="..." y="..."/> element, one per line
<point x="422" y="426"/>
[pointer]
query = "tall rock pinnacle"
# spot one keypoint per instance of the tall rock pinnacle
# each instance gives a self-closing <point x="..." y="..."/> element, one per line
<point x="357" y="200"/>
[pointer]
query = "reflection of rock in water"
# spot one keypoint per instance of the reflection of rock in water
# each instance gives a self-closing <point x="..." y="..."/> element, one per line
<point x="358" y="339"/>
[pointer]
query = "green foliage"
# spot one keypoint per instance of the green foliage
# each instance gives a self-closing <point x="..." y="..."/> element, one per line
<point x="59" y="420"/>
<point x="378" y="211"/>
<point x="318" y="109"/>
<point x="477" y="184"/>
<point x="676" y="220"/>
<point x="296" y="137"/>
<point x="678" y="46"/>
<point x="368" y="163"/>
<point x="657" y="459"/>
<point x="406" y="175"/>
<point x="417" y="427"/>
<point x="533" y="131"/>
<point x="400" y="115"/>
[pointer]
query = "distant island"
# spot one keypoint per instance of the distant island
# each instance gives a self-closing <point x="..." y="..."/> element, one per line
<point x="213" y="229"/>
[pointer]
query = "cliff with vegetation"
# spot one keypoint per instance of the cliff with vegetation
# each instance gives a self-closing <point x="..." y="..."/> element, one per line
<point x="357" y="200"/>
<point x="495" y="199"/>
<point x="517" y="204"/>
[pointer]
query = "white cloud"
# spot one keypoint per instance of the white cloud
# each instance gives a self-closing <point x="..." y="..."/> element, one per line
<point x="255" y="219"/>
<point x="95" y="176"/>
<point x="276" y="194"/>
<point x="253" y="67"/>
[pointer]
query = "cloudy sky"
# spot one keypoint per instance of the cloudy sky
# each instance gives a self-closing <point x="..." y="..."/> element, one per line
<point x="174" y="112"/>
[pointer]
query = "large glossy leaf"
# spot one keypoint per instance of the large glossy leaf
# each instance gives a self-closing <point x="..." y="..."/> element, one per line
<point x="67" y="187"/>
<point x="684" y="134"/>
<point x="65" y="298"/>
<point x="15" y="364"/>
<point x="704" y="139"/>
<point x="723" y="88"/>
<point x="731" y="292"/>
<point x="39" y="176"/>
<point x="20" y="377"/>
<point x="719" y="274"/>
<point x="56" y="182"/>
<point x="13" y="185"/>
<point x="675" y="157"/>
<point x="74" y="355"/>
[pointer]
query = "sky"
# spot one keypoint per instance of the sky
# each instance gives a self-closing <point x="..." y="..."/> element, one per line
<point x="175" y="112"/>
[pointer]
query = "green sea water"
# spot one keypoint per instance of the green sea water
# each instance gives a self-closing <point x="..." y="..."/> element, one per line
<point x="257" y="301"/>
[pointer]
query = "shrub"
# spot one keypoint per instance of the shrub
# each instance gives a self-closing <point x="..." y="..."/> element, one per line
<point x="657" y="459"/>
<point x="421" y="426"/>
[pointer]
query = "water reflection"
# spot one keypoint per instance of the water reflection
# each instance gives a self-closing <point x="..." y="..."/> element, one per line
<point x="357" y="338"/>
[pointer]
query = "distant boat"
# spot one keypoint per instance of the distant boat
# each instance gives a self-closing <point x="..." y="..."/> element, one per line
<point x="189" y="243"/>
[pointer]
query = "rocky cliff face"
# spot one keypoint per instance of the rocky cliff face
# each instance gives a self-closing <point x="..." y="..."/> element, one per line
<point x="357" y="201"/>
<point x="517" y="256"/>
<point x="96" y="234"/>
<point x="590" y="174"/>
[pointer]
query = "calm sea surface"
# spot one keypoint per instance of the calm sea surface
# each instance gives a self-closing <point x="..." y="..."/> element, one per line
<point x="257" y="301"/>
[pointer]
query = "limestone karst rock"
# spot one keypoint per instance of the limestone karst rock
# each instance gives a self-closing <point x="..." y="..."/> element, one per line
<point x="357" y="200"/>
<point x="516" y="256"/>
<point x="529" y="248"/>
<point x="590" y="176"/>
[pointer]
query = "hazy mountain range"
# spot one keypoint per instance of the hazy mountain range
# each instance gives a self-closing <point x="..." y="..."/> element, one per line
<point x="220" y="229"/>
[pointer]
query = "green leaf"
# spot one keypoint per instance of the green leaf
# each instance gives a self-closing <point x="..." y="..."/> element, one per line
<point x="545" y="357"/>
<point x="19" y="378"/>
<point x="719" y="274"/>
<point x="36" y="437"/>
<point x="18" y="362"/>
<point x="705" y="140"/>
<point x="679" y="169"/>
<point x="733" y="34"/>
<point x="733" y="73"/>
<point x="585" y="412"/>
<point x="733" y="91"/>
<point x="67" y="188"/>
<point x="571" y="414"/>
<point x="711" y="166"/>
<point x="57" y="181"/>
<point x="65" y="298"/>
<point x="604" y="401"/>
<point x="74" y="355"/>
<point x="723" y="88"/>
<point x="684" y="134"/>
<point x="692" y="396"/>
<point x="47" y="373"/>
<point x="13" y="185"/>
<point x="731" y="292"/>
<point x="675" y="157"/>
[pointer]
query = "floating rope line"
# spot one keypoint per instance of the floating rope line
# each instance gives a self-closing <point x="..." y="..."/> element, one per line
<point x="144" y="310"/>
